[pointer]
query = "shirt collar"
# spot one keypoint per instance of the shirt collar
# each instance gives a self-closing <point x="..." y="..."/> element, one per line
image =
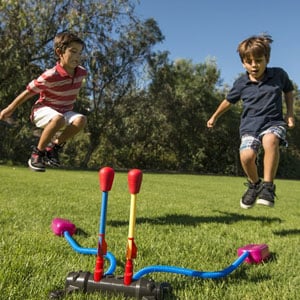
<point x="62" y="71"/>
<point x="269" y="73"/>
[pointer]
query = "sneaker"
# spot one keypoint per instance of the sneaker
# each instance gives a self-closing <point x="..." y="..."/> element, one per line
<point x="249" y="197"/>
<point x="52" y="155"/>
<point x="267" y="194"/>
<point x="36" y="161"/>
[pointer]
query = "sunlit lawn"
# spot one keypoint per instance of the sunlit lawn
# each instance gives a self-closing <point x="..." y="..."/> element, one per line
<point x="188" y="221"/>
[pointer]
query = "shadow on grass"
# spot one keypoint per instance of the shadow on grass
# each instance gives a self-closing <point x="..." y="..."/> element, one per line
<point x="272" y="258"/>
<point x="242" y="275"/>
<point x="287" y="232"/>
<point x="188" y="220"/>
<point x="81" y="232"/>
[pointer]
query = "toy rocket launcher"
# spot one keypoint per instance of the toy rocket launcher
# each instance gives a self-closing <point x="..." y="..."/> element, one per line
<point x="134" y="184"/>
<point x="134" y="285"/>
<point x="106" y="177"/>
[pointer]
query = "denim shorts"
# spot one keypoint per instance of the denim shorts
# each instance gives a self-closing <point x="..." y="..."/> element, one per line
<point x="254" y="143"/>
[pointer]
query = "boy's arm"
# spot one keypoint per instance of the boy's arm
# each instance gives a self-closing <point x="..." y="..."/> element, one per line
<point x="222" y="108"/>
<point x="289" y="101"/>
<point x="20" y="99"/>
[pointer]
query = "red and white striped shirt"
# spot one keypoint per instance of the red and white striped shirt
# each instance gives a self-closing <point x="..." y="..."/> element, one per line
<point x="57" y="88"/>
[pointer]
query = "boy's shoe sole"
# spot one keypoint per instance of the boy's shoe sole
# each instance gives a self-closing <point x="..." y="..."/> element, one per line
<point x="248" y="200"/>
<point x="245" y="206"/>
<point x="33" y="168"/>
<point x="265" y="202"/>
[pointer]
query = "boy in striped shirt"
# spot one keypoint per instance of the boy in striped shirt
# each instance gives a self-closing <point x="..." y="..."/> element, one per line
<point x="58" y="88"/>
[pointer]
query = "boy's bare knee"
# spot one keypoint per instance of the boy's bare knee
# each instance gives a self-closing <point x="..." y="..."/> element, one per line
<point x="247" y="157"/>
<point x="58" y="121"/>
<point x="270" y="141"/>
<point x="80" y="121"/>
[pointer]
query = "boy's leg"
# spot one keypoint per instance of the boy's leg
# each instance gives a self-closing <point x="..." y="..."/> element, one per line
<point x="76" y="123"/>
<point x="51" y="121"/>
<point x="270" y="144"/>
<point x="248" y="161"/>
<point x="248" y="154"/>
<point x="71" y="130"/>
<point x="50" y="130"/>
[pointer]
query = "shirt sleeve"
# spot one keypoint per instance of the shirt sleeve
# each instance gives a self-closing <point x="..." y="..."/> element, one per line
<point x="37" y="85"/>
<point x="234" y="95"/>
<point x="287" y="83"/>
<point x="43" y="82"/>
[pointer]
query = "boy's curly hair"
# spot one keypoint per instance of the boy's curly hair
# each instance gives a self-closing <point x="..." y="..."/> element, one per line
<point x="256" y="46"/>
<point x="64" y="39"/>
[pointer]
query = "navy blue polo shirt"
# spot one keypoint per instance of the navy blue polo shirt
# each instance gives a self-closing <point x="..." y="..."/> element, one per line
<point x="262" y="101"/>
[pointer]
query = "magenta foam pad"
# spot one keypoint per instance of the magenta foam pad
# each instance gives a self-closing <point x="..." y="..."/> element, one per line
<point x="257" y="253"/>
<point x="59" y="226"/>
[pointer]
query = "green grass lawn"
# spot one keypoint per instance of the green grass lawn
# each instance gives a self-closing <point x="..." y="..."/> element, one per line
<point x="189" y="221"/>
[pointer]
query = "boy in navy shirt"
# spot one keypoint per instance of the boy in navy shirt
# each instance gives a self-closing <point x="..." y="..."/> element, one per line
<point x="262" y="122"/>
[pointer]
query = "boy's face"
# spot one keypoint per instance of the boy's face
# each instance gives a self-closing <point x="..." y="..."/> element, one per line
<point x="71" y="57"/>
<point x="255" y="67"/>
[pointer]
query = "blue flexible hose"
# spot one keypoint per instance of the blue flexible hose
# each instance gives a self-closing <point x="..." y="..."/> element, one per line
<point x="189" y="272"/>
<point x="93" y="251"/>
<point x="158" y="268"/>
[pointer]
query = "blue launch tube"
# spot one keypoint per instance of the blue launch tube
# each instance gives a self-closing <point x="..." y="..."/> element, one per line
<point x="103" y="213"/>
<point x="189" y="272"/>
<point x="93" y="251"/>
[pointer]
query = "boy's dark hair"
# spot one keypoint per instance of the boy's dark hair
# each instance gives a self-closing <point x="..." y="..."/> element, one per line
<point x="64" y="39"/>
<point x="256" y="46"/>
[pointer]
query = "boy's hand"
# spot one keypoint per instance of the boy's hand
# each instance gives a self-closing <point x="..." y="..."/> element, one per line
<point x="5" y="113"/>
<point x="211" y="122"/>
<point x="290" y="122"/>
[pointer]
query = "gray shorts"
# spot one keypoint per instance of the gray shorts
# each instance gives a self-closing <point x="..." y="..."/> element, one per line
<point x="254" y="143"/>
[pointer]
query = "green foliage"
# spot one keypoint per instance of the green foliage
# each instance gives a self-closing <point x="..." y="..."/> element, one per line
<point x="117" y="45"/>
<point x="187" y="221"/>
<point x="183" y="92"/>
<point x="143" y="109"/>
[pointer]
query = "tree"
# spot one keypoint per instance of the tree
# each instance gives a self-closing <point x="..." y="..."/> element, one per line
<point x="117" y="43"/>
<point x="114" y="68"/>
<point x="186" y="94"/>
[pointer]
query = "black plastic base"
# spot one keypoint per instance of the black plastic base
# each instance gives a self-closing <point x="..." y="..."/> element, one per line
<point x="141" y="289"/>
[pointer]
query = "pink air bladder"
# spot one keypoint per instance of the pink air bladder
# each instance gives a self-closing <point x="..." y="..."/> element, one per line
<point x="257" y="253"/>
<point x="59" y="226"/>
